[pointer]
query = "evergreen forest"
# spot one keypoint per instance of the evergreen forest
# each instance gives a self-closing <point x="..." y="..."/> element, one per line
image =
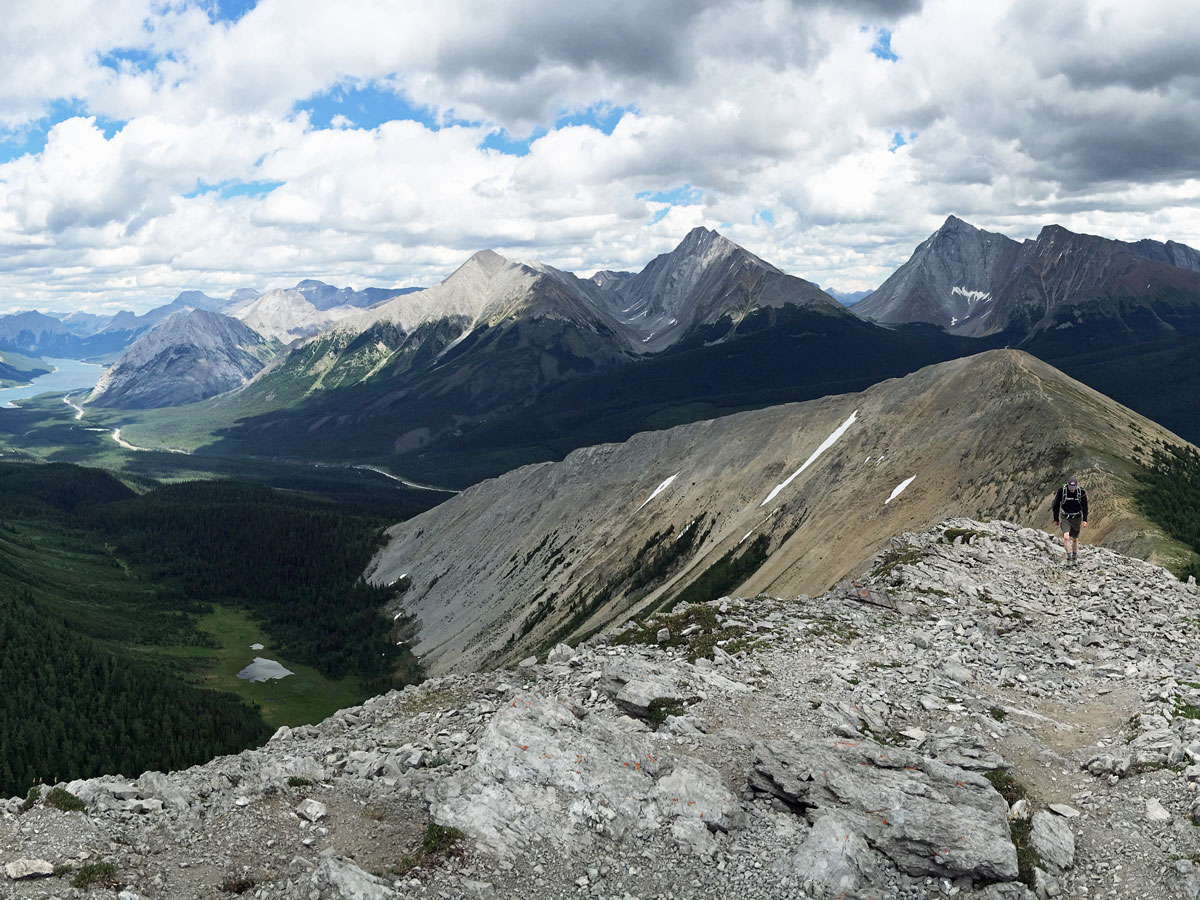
<point x="1170" y="496"/>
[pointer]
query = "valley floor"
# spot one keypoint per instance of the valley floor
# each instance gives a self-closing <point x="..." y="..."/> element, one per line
<point x="857" y="744"/>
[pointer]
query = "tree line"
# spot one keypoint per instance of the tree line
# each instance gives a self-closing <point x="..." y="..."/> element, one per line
<point x="1170" y="496"/>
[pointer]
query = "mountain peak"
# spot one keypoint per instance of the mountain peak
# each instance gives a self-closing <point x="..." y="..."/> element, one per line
<point x="489" y="260"/>
<point x="701" y="238"/>
<point x="954" y="223"/>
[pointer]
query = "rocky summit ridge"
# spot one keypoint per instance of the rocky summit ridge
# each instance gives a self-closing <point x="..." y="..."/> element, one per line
<point x="970" y="717"/>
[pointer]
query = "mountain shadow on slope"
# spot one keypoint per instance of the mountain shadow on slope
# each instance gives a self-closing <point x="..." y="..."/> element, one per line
<point x="482" y="413"/>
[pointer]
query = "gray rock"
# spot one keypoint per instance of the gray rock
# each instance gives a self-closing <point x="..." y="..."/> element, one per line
<point x="835" y="860"/>
<point x="1009" y="890"/>
<point x="542" y="775"/>
<point x="1062" y="809"/>
<point x="927" y="817"/>
<point x="664" y="635"/>
<point x="340" y="879"/>
<point x="160" y="787"/>
<point x="311" y="810"/>
<point x="1156" y="812"/>
<point x="560" y="653"/>
<point x="1185" y="878"/>
<point x="1045" y="885"/>
<point x="20" y="869"/>
<point x="635" y="684"/>
<point x="1051" y="837"/>
<point x="1117" y="763"/>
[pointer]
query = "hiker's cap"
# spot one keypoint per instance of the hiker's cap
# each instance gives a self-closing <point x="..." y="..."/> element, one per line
<point x="1072" y="482"/>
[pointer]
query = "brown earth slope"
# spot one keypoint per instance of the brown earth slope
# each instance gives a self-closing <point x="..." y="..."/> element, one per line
<point x="558" y="550"/>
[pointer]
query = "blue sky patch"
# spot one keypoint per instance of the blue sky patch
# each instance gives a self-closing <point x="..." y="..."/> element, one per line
<point x="366" y="106"/>
<point x="228" y="10"/>
<point x="602" y="117"/>
<point x="883" y="45"/>
<point x="234" y="187"/>
<point x="32" y="138"/>
<point x="502" y="142"/>
<point x="122" y="59"/>
<point x="684" y="195"/>
<point x="899" y="140"/>
<point x="762" y="216"/>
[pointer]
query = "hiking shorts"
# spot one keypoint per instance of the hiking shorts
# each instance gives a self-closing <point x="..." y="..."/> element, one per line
<point x="1071" y="525"/>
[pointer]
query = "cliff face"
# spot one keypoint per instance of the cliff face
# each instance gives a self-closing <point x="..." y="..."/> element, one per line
<point x="849" y="744"/>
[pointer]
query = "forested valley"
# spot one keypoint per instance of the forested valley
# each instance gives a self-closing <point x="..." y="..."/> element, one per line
<point x="98" y="581"/>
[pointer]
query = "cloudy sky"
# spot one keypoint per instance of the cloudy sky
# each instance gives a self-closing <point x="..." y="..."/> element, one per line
<point x="148" y="147"/>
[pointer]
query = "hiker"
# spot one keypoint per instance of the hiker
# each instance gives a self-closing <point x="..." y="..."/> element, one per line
<point x="1071" y="501"/>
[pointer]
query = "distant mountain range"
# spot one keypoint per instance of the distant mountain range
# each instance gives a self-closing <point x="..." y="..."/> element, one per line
<point x="81" y="335"/>
<point x="508" y="362"/>
<point x="848" y="298"/>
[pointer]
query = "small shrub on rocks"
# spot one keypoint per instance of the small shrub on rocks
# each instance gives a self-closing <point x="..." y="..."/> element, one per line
<point x="1019" y="830"/>
<point x="297" y="781"/>
<point x="237" y="885"/>
<point x="661" y="707"/>
<point x="901" y="555"/>
<point x="967" y="535"/>
<point x="103" y="874"/>
<point x="34" y="795"/>
<point x="60" y="798"/>
<point x="439" y="841"/>
<point x="696" y="628"/>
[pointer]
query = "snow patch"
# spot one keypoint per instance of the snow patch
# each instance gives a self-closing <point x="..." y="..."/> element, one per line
<point x="829" y="442"/>
<point x="898" y="490"/>
<point x="972" y="297"/>
<point x="658" y="490"/>
<point x="264" y="670"/>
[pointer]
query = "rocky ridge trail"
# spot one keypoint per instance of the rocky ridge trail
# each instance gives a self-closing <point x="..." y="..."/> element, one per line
<point x="890" y="738"/>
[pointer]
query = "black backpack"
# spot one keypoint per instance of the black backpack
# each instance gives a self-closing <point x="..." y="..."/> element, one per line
<point x="1072" y="507"/>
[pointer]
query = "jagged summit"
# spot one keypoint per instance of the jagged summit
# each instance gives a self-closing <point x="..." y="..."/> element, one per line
<point x="707" y="278"/>
<point x="977" y="283"/>
<point x="950" y="280"/>
<point x="890" y="737"/>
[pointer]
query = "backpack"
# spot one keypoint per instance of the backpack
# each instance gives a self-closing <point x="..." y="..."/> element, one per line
<point x="1072" y="507"/>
